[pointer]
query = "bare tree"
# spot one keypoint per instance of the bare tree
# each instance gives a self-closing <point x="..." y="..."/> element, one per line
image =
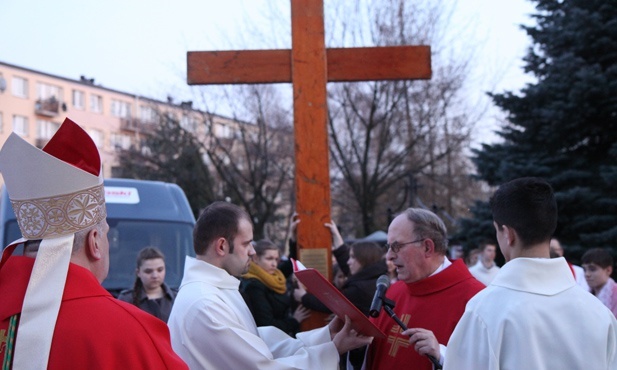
<point x="386" y="137"/>
<point x="255" y="160"/>
<point x="166" y="151"/>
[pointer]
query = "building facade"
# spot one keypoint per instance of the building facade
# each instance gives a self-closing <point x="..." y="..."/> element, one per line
<point x="33" y="104"/>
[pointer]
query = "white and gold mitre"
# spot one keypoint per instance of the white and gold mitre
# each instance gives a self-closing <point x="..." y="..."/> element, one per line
<point x="57" y="190"/>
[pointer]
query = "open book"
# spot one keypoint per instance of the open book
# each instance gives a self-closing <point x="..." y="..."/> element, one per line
<point x="327" y="293"/>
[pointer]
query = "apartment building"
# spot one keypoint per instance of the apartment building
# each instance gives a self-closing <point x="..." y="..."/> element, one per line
<point x="33" y="104"/>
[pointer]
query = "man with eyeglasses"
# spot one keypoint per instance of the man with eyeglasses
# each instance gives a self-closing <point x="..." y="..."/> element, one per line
<point x="431" y="292"/>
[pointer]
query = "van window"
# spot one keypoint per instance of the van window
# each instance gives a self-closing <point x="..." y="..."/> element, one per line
<point x="126" y="238"/>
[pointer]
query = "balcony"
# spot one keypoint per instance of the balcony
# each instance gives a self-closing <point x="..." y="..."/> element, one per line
<point x="135" y="125"/>
<point x="47" y="107"/>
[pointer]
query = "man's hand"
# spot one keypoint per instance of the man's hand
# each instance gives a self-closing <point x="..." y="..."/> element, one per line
<point x="346" y="338"/>
<point x="424" y="342"/>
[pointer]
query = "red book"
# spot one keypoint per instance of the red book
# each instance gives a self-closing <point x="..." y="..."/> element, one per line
<point x="327" y="293"/>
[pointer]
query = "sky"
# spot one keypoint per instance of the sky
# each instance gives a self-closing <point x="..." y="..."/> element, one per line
<point x="140" y="46"/>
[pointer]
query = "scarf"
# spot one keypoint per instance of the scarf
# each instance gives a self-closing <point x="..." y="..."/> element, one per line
<point x="275" y="281"/>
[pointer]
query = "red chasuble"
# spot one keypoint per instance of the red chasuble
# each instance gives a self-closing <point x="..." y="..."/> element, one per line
<point x="94" y="330"/>
<point x="435" y="303"/>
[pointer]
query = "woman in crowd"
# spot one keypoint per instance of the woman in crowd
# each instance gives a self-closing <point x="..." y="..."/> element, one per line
<point x="363" y="263"/>
<point x="150" y="293"/>
<point x="265" y="291"/>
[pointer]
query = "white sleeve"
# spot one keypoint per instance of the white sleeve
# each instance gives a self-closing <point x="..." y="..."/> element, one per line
<point x="470" y="347"/>
<point x="216" y="340"/>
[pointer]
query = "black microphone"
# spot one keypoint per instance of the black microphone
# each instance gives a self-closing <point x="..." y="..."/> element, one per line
<point x="383" y="283"/>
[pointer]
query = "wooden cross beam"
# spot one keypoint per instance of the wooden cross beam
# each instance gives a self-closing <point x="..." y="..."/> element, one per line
<point x="309" y="66"/>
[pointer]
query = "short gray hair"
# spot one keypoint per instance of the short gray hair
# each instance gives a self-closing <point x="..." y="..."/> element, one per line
<point x="429" y="226"/>
<point x="80" y="237"/>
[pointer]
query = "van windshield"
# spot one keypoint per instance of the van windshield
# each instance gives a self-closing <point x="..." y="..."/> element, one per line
<point x="126" y="238"/>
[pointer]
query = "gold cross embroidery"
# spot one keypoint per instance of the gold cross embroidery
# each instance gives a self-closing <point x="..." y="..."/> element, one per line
<point x="395" y="339"/>
<point x="3" y="339"/>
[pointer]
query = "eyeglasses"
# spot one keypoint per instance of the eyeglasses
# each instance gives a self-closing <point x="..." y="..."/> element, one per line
<point x="396" y="246"/>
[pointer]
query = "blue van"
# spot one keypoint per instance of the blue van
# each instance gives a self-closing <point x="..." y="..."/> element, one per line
<point x="140" y="214"/>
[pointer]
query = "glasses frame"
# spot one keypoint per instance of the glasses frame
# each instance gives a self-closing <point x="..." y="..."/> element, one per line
<point x="395" y="247"/>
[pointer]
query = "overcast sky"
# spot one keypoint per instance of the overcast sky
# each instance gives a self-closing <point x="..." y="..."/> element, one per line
<point x="139" y="46"/>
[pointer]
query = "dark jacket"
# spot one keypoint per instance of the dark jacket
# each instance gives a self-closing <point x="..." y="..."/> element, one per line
<point x="160" y="307"/>
<point x="359" y="289"/>
<point x="268" y="307"/>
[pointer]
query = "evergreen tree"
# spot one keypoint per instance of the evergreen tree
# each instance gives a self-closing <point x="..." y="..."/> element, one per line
<point x="564" y="127"/>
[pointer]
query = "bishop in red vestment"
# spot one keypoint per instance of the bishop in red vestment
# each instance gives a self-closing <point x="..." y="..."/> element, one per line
<point x="54" y="313"/>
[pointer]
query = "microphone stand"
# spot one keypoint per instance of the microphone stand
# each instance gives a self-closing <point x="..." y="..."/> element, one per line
<point x="388" y="305"/>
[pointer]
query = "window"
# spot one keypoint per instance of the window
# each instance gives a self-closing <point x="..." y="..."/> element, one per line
<point x="120" y="141"/>
<point x="20" y="125"/>
<point x="188" y="123"/>
<point x="120" y="109"/>
<point x="96" y="103"/>
<point x="224" y="131"/>
<point x="147" y="114"/>
<point x="45" y="91"/>
<point x="79" y="99"/>
<point x="97" y="137"/>
<point x="46" y="129"/>
<point x="20" y="87"/>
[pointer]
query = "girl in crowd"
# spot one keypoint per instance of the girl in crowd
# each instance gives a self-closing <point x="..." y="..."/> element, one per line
<point x="150" y="293"/>
<point x="265" y="291"/>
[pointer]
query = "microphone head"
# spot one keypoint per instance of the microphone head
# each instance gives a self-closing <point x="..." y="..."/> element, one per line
<point x="383" y="280"/>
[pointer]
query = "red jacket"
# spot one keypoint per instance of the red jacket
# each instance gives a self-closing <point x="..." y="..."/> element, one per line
<point x="94" y="330"/>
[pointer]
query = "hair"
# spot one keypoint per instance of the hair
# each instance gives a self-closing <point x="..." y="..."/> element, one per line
<point x="147" y="253"/>
<point x="367" y="253"/>
<point x="428" y="225"/>
<point x="261" y="246"/>
<point x="528" y="206"/>
<point x="80" y="237"/>
<point x="598" y="256"/>
<point x="219" y="219"/>
<point x="485" y="244"/>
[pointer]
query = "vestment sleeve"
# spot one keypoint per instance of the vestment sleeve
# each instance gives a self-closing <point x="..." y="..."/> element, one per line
<point x="470" y="347"/>
<point x="217" y="339"/>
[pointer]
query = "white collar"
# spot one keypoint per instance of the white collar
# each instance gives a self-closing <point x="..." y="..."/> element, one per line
<point x="443" y="266"/>
<point x="546" y="276"/>
<point x="196" y="270"/>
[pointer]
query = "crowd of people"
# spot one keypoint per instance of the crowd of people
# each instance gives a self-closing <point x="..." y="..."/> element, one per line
<point x="239" y="306"/>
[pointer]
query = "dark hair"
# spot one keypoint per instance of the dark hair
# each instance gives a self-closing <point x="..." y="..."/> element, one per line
<point x="218" y="220"/>
<point x="598" y="256"/>
<point x="485" y="244"/>
<point x="367" y="253"/>
<point x="428" y="225"/>
<point x="261" y="246"/>
<point x="147" y="253"/>
<point x="528" y="206"/>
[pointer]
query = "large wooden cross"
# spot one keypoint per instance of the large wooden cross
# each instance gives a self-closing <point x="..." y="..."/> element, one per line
<point x="309" y="66"/>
